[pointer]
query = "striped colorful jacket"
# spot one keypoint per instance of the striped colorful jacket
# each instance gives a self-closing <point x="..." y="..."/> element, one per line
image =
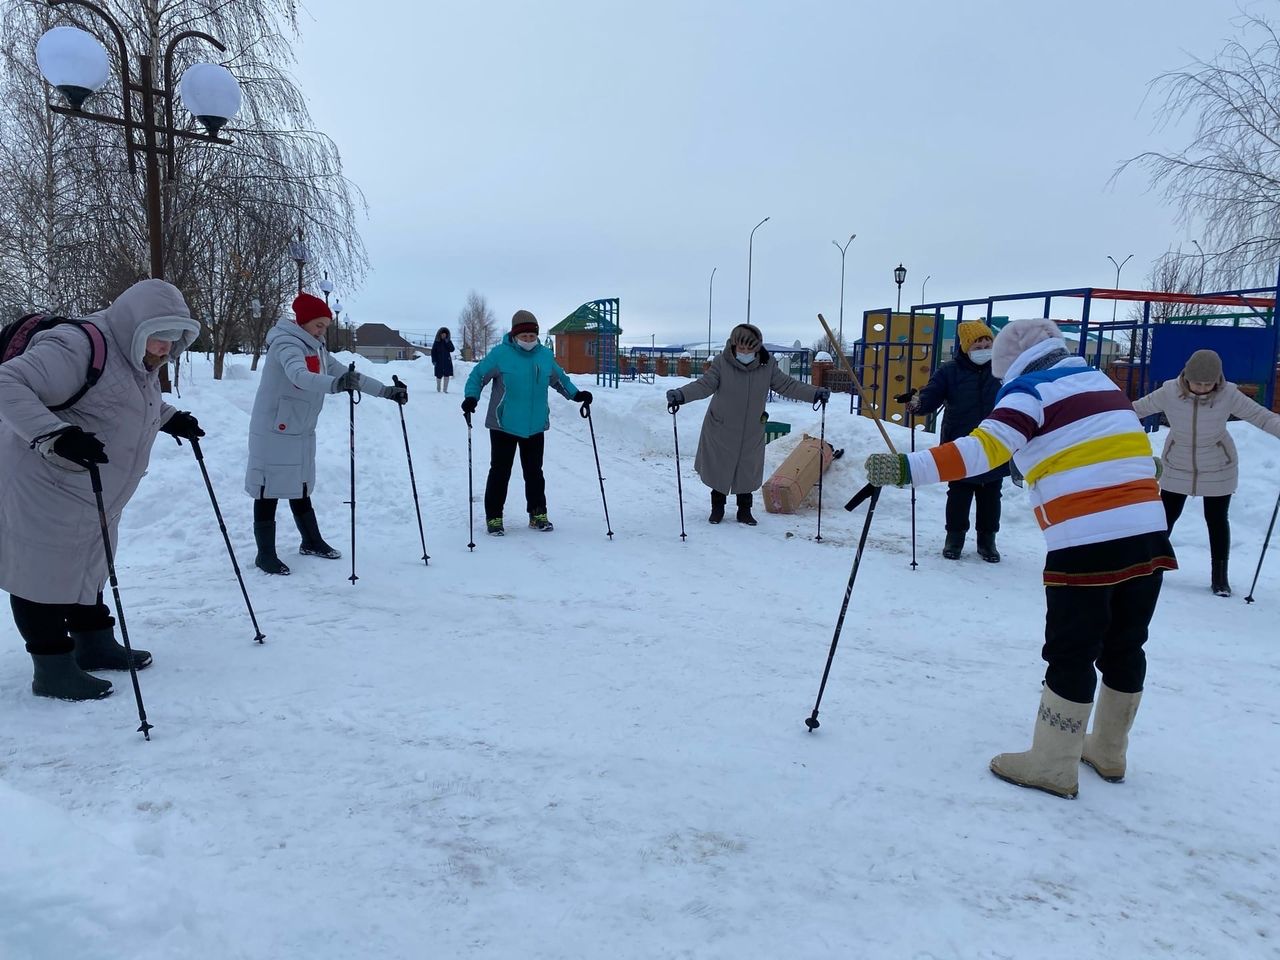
<point x="1074" y="436"/>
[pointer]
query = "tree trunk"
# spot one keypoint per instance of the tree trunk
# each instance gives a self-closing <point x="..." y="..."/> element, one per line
<point x="218" y="359"/>
<point x="256" y="355"/>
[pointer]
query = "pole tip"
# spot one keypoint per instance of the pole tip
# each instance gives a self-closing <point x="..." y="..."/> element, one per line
<point x="812" y="723"/>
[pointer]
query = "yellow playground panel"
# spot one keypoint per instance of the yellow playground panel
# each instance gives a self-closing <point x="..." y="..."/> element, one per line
<point x="897" y="356"/>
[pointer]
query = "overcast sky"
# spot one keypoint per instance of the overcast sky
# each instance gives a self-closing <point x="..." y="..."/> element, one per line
<point x="545" y="154"/>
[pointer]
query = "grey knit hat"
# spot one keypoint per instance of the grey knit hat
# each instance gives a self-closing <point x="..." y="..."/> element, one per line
<point x="1205" y="366"/>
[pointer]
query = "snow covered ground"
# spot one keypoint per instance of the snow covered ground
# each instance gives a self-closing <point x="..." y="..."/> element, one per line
<point x="562" y="746"/>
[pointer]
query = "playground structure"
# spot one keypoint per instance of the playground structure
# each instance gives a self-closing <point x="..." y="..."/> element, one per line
<point x="899" y="351"/>
<point x="586" y="341"/>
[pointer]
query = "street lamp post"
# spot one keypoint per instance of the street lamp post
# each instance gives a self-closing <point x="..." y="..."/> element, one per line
<point x="923" y="285"/>
<point x="1200" y="285"/>
<point x="300" y="255"/>
<point x="78" y="66"/>
<point x="326" y="287"/>
<point x="840" y="332"/>
<point x="710" y="287"/>
<point x="751" y="240"/>
<point x="1119" y="266"/>
<point x="900" y="277"/>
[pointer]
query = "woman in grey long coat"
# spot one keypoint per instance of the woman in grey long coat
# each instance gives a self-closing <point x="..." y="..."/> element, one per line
<point x="1199" y="456"/>
<point x="297" y="375"/>
<point x="731" y="448"/>
<point x="52" y="561"/>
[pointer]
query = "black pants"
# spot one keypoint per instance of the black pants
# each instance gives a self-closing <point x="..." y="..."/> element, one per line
<point x="960" y="495"/>
<point x="502" y="457"/>
<point x="47" y="627"/>
<point x="1215" y="518"/>
<point x="1106" y="626"/>
<point x="264" y="510"/>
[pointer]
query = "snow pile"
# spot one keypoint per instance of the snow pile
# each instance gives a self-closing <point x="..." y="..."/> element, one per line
<point x="563" y="746"/>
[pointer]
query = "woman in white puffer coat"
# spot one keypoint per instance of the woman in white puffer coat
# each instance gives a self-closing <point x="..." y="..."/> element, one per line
<point x="1200" y="458"/>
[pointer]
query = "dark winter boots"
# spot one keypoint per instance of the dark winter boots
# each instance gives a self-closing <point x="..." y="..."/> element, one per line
<point x="744" y="510"/>
<point x="57" y="675"/>
<point x="99" y="650"/>
<point x="1218" y="579"/>
<point x="539" y="521"/>
<point x="264" y="533"/>
<point x="313" y="544"/>
<point x="718" y="500"/>
<point x="987" y="547"/>
<point x="953" y="545"/>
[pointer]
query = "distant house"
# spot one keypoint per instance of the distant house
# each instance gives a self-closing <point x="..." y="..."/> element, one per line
<point x="379" y="343"/>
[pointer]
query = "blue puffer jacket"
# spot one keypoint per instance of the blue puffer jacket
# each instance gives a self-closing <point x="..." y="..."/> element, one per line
<point x="968" y="391"/>
<point x="518" y="401"/>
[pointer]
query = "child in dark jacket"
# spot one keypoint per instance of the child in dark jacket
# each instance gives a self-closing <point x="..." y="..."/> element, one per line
<point x="967" y="389"/>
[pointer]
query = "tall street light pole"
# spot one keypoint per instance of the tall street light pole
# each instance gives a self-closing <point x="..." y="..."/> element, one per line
<point x="301" y="255"/>
<point x="1119" y="266"/>
<point x="77" y="65"/>
<point x="710" y="287"/>
<point x="750" y="241"/>
<point x="900" y="277"/>
<point x="922" y="286"/>
<point x="842" y="250"/>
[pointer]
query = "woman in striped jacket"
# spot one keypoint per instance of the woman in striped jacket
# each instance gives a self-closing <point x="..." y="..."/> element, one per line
<point x="1092" y="482"/>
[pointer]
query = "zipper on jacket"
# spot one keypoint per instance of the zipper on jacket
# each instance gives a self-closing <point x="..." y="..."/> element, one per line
<point x="1195" y="469"/>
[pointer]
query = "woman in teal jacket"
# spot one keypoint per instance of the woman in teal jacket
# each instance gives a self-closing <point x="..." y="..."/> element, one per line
<point x="521" y="370"/>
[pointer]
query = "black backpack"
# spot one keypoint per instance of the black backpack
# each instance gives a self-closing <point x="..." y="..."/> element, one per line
<point x="17" y="336"/>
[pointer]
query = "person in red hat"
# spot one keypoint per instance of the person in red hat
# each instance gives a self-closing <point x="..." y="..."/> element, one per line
<point x="297" y="374"/>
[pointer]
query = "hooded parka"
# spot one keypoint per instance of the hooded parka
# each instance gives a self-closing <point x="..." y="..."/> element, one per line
<point x="731" y="448"/>
<point x="50" y="538"/>
<point x="297" y="375"/>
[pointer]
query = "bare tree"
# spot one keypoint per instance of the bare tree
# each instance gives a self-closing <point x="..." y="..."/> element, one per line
<point x="478" y="325"/>
<point x="1227" y="179"/>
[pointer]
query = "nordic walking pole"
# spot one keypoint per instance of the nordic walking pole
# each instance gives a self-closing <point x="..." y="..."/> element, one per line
<point x="471" y="490"/>
<point x="585" y="412"/>
<point x="822" y="451"/>
<point x="413" y="482"/>
<point x="673" y="409"/>
<point x="95" y="478"/>
<point x="1265" y="544"/>
<point x="911" y="423"/>
<point x="853" y="377"/>
<point x="217" y="512"/>
<point x="869" y="492"/>
<point x="353" y="399"/>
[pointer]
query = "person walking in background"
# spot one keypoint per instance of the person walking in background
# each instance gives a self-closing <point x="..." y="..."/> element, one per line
<point x="967" y="388"/>
<point x="730" y="455"/>
<point x="521" y="370"/>
<point x="297" y="374"/>
<point x="1200" y="458"/>
<point x="1092" y="483"/>
<point x="52" y="561"/>
<point x="442" y="359"/>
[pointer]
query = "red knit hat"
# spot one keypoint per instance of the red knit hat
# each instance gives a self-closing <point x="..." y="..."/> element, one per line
<point x="307" y="308"/>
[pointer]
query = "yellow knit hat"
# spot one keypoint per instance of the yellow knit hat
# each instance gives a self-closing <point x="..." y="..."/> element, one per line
<point x="972" y="330"/>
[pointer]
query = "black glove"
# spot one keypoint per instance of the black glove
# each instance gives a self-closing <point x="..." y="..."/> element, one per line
<point x="183" y="425"/>
<point x="79" y="447"/>
<point x="674" y="398"/>
<point x="348" y="381"/>
<point x="583" y="397"/>
<point x="469" y="405"/>
<point x="821" y="395"/>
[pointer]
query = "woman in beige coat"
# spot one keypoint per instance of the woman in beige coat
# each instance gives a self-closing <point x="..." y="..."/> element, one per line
<point x="1199" y="455"/>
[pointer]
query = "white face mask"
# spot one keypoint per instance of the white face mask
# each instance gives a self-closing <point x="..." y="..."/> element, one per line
<point x="980" y="356"/>
<point x="746" y="357"/>
<point x="526" y="346"/>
